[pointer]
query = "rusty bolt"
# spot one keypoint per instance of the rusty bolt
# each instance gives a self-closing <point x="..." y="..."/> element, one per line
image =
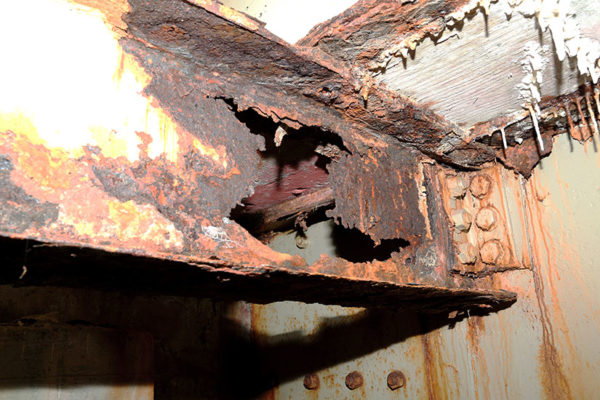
<point x="311" y="381"/>
<point x="480" y="186"/>
<point x="457" y="186"/>
<point x="396" y="380"/>
<point x="486" y="218"/>
<point x="354" y="380"/>
<point x="467" y="253"/>
<point x="490" y="251"/>
<point x="462" y="220"/>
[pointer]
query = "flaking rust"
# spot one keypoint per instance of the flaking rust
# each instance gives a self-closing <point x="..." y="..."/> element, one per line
<point x="377" y="193"/>
<point x="570" y="114"/>
<point x="162" y="182"/>
<point x="298" y="86"/>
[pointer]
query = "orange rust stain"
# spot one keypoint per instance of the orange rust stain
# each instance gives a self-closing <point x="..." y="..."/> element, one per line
<point x="553" y="377"/>
<point x="41" y="172"/>
<point x="475" y="328"/>
<point x="435" y="388"/>
<point x="134" y="226"/>
<point x="86" y="213"/>
<point x="565" y="243"/>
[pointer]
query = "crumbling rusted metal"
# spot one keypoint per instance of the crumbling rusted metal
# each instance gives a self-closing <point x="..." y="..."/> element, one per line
<point x="559" y="115"/>
<point x="363" y="33"/>
<point x="161" y="181"/>
<point x="231" y="57"/>
<point x="378" y="194"/>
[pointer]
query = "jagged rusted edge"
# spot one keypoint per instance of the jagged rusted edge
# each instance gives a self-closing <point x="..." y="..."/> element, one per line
<point x="554" y="119"/>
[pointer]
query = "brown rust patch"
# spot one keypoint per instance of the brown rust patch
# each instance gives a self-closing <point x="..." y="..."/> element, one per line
<point x="377" y="194"/>
<point x="557" y="117"/>
<point x="373" y="26"/>
<point x="174" y="204"/>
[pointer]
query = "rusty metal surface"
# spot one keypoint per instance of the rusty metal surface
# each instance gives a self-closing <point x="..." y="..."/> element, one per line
<point x="377" y="193"/>
<point x="567" y="114"/>
<point x="297" y="86"/>
<point x="364" y="31"/>
<point x="145" y="154"/>
<point x="154" y="188"/>
<point x="543" y="347"/>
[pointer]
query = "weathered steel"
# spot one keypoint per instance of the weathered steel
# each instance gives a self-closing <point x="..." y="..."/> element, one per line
<point x="559" y="115"/>
<point x="543" y="347"/>
<point x="235" y="58"/>
<point x="158" y="174"/>
<point x="378" y="194"/>
<point x="363" y="33"/>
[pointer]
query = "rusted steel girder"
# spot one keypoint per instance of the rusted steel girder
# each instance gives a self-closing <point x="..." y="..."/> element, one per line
<point x="155" y="167"/>
<point x="235" y="58"/>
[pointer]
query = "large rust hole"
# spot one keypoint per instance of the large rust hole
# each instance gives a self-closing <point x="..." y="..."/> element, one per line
<point x="292" y="181"/>
<point x="292" y="193"/>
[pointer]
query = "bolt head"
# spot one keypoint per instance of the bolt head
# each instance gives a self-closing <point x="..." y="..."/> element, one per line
<point x="462" y="220"/>
<point x="354" y="380"/>
<point x="481" y="186"/>
<point x="491" y="251"/>
<point x="486" y="218"/>
<point x="467" y="253"/>
<point x="311" y="382"/>
<point x="457" y="186"/>
<point x="396" y="380"/>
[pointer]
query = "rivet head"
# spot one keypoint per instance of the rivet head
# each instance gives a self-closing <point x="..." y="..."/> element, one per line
<point x="490" y="252"/>
<point x="457" y="186"/>
<point x="302" y="241"/>
<point x="481" y="185"/>
<point x="396" y="380"/>
<point x="462" y="220"/>
<point x="354" y="380"/>
<point x="467" y="253"/>
<point x="311" y="382"/>
<point x="486" y="218"/>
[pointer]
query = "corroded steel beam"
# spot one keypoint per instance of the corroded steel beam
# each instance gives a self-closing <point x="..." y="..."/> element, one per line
<point x="228" y="55"/>
<point x="131" y="147"/>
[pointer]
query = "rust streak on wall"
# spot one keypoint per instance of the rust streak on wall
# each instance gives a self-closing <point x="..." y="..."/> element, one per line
<point x="553" y="376"/>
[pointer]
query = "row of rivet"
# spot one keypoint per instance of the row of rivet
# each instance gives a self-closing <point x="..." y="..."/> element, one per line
<point x="354" y="380"/>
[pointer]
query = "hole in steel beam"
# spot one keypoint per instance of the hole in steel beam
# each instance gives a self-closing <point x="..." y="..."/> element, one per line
<point x="292" y="193"/>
